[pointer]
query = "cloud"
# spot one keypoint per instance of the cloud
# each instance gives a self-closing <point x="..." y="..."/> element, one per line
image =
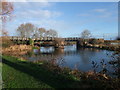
<point x="38" y="14"/>
<point x="31" y="5"/>
<point x="100" y="10"/>
<point x="35" y="10"/>
<point x="103" y="13"/>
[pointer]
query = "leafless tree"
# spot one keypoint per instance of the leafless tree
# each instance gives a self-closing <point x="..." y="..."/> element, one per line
<point x="6" y="9"/>
<point x="26" y="30"/>
<point x="4" y="33"/>
<point x="51" y="33"/>
<point x="41" y="32"/>
<point x="86" y="34"/>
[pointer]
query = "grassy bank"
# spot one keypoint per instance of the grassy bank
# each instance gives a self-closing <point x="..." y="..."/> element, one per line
<point x="23" y="74"/>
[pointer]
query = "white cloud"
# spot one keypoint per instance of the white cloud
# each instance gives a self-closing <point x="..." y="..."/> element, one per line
<point x="100" y="10"/>
<point x="31" y="5"/>
<point x="34" y="10"/>
<point x="38" y="14"/>
<point x="106" y="15"/>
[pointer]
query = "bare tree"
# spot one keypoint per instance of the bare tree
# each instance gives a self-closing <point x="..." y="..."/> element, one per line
<point x="26" y="30"/>
<point x="86" y="34"/>
<point x="6" y="9"/>
<point x="35" y="33"/>
<point x="4" y="33"/>
<point x="52" y="33"/>
<point x="41" y="32"/>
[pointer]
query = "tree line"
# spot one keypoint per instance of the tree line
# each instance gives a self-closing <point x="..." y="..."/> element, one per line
<point x="29" y="30"/>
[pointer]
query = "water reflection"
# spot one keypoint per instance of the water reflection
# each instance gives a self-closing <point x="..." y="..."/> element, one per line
<point x="71" y="57"/>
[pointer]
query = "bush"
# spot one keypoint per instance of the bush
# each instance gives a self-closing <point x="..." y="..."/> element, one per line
<point x="31" y="42"/>
<point x="5" y="42"/>
<point x="95" y="41"/>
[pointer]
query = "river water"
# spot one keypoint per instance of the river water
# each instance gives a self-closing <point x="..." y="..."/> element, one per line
<point x="73" y="58"/>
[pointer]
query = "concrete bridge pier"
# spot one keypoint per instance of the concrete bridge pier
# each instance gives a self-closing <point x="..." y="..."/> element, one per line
<point x="78" y="45"/>
<point x="81" y="43"/>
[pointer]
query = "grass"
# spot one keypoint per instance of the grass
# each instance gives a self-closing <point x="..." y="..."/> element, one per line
<point x="0" y="75"/>
<point x="23" y="74"/>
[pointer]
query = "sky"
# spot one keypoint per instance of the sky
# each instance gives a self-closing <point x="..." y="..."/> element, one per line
<point x="69" y="19"/>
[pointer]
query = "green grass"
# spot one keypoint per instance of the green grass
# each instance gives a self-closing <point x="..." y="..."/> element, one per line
<point x="22" y="74"/>
<point x="0" y="75"/>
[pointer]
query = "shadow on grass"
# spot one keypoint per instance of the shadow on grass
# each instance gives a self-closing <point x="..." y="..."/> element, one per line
<point x="41" y="74"/>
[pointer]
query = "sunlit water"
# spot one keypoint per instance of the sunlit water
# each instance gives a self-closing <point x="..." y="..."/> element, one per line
<point x="72" y="57"/>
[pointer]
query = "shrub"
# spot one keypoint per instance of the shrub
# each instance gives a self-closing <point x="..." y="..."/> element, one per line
<point x="31" y="42"/>
<point x="96" y="41"/>
<point x="5" y="42"/>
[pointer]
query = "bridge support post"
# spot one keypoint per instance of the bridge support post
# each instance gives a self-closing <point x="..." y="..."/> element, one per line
<point x="78" y="44"/>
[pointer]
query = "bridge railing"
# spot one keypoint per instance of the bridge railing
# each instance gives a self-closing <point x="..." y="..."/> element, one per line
<point x="44" y="38"/>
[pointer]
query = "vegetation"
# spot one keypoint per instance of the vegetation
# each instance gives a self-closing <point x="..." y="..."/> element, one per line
<point x="35" y="47"/>
<point x="31" y="42"/>
<point x="6" y="9"/>
<point x="86" y="34"/>
<point x="41" y="32"/>
<point x="95" y="41"/>
<point x="6" y="42"/>
<point x="26" y="30"/>
<point x="19" y="73"/>
<point x="22" y="74"/>
<point x="31" y="31"/>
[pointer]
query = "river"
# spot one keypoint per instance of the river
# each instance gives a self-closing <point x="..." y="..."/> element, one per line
<point x="73" y="58"/>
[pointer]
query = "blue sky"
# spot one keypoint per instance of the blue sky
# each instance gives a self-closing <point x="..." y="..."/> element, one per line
<point x="68" y="18"/>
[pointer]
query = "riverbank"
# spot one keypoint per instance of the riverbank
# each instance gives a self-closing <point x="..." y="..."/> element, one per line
<point x="16" y="50"/>
<point x="22" y="74"/>
<point x="19" y="73"/>
<point x="103" y="46"/>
